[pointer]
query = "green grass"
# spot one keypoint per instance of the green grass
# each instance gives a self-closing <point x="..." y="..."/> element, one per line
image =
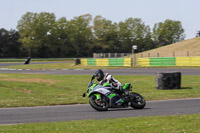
<point x="155" y="124"/>
<point x="59" y="66"/>
<point x="18" y="90"/>
<point x="42" y="66"/>
<point x="36" y="59"/>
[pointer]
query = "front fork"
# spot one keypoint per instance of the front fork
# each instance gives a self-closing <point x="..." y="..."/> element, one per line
<point x="98" y="96"/>
<point x="99" y="99"/>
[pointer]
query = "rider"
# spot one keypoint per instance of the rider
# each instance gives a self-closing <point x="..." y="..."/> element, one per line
<point x="115" y="84"/>
<point x="107" y="78"/>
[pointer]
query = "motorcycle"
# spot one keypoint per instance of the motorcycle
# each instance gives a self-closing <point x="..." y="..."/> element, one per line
<point x="102" y="97"/>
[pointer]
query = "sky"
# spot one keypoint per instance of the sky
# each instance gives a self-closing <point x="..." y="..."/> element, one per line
<point x="150" y="11"/>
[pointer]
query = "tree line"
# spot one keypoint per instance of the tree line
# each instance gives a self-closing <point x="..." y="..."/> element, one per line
<point x="41" y="35"/>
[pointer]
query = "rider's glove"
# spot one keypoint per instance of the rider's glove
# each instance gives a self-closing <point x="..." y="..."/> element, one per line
<point x="114" y="84"/>
<point x="103" y="81"/>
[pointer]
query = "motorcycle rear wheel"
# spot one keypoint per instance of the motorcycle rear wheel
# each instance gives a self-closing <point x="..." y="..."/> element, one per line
<point x="99" y="105"/>
<point x="137" y="101"/>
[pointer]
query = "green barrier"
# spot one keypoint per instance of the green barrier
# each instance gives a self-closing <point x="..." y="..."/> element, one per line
<point x="163" y="61"/>
<point x="91" y="62"/>
<point x="116" y="62"/>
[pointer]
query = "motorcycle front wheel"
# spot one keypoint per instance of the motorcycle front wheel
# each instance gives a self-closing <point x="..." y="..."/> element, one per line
<point x="99" y="104"/>
<point x="137" y="101"/>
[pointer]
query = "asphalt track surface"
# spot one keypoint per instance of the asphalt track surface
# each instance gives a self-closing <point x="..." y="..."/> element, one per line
<point x="136" y="71"/>
<point x="85" y="112"/>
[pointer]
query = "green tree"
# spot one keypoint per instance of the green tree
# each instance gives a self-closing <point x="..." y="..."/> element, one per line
<point x="168" y="32"/>
<point x="13" y="46"/>
<point x="33" y="29"/>
<point x="26" y="30"/>
<point x="3" y="41"/>
<point x="59" y="39"/>
<point x="106" y="35"/>
<point x="44" y="36"/>
<point x="43" y="26"/>
<point x="9" y="44"/>
<point x="80" y="35"/>
<point x="134" y="32"/>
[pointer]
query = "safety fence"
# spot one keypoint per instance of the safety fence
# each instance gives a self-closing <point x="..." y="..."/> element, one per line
<point x="110" y="55"/>
<point x="147" y="54"/>
<point x="107" y="62"/>
<point x="169" y="61"/>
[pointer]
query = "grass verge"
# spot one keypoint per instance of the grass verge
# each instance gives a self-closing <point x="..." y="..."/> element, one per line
<point x="37" y="59"/>
<point x="155" y="124"/>
<point x="18" y="90"/>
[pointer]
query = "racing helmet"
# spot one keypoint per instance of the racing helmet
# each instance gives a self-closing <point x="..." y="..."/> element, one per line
<point x="99" y="74"/>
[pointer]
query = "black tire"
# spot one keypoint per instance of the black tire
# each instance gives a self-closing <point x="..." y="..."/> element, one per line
<point x="137" y="101"/>
<point x="99" y="105"/>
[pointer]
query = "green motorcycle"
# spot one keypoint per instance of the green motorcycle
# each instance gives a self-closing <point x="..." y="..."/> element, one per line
<point x="102" y="97"/>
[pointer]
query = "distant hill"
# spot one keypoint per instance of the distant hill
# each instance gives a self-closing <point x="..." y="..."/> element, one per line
<point x="190" y="47"/>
